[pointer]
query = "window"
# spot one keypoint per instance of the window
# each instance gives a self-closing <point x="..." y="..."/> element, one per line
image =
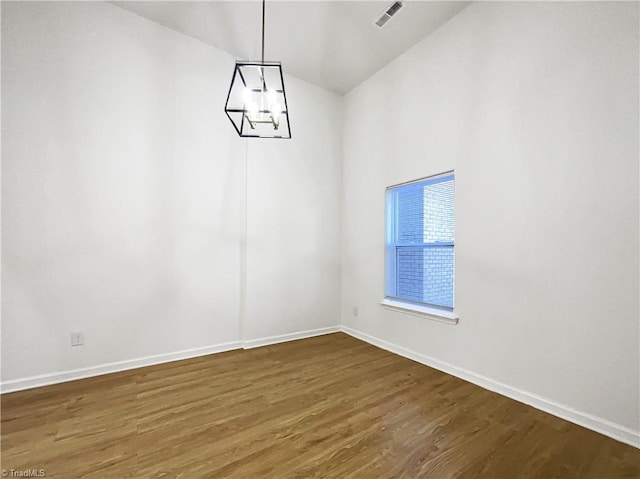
<point x="420" y="244"/>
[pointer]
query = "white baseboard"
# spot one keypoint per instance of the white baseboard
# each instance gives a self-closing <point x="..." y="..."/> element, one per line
<point x="64" y="376"/>
<point x="600" y="425"/>
<point x="256" y="343"/>
<point x="72" y="375"/>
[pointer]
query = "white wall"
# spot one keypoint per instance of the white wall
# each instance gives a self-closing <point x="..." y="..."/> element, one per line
<point x="535" y="106"/>
<point x="123" y="197"/>
<point x="293" y="220"/>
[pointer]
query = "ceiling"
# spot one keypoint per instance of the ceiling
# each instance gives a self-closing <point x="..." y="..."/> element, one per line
<point x="333" y="44"/>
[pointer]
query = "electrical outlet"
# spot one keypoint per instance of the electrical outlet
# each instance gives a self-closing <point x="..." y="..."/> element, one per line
<point x="355" y="311"/>
<point x="77" y="338"/>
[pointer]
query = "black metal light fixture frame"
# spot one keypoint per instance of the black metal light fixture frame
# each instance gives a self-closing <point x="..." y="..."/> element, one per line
<point x="257" y="102"/>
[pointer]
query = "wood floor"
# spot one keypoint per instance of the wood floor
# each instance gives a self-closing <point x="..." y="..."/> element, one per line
<point x="325" y="407"/>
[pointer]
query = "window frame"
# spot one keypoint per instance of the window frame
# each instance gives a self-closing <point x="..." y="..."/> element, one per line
<point x="390" y="301"/>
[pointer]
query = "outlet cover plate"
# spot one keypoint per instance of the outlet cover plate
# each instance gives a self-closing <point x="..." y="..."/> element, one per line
<point x="77" y="338"/>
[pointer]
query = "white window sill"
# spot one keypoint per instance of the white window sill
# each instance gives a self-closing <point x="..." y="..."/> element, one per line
<point x="435" y="314"/>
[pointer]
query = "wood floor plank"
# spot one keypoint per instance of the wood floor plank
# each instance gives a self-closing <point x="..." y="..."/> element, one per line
<point x="324" y="407"/>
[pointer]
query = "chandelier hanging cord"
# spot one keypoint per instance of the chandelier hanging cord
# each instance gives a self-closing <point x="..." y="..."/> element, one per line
<point x="263" y="10"/>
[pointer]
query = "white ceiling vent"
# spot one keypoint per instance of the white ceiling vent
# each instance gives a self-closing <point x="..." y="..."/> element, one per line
<point x="390" y="11"/>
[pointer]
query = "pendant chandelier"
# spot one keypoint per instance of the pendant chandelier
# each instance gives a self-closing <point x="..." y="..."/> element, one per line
<point x="256" y="103"/>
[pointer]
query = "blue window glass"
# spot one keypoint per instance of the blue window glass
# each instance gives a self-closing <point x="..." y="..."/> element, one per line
<point x="420" y="242"/>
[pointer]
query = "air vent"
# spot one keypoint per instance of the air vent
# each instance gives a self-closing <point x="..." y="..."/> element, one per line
<point x="388" y="13"/>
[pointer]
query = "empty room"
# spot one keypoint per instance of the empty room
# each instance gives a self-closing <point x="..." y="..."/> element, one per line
<point x="320" y="239"/>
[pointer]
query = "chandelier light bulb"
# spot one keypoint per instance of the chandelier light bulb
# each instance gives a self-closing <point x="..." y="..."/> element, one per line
<point x="247" y="95"/>
<point x="276" y="110"/>
<point x="272" y="97"/>
<point x="252" y="109"/>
